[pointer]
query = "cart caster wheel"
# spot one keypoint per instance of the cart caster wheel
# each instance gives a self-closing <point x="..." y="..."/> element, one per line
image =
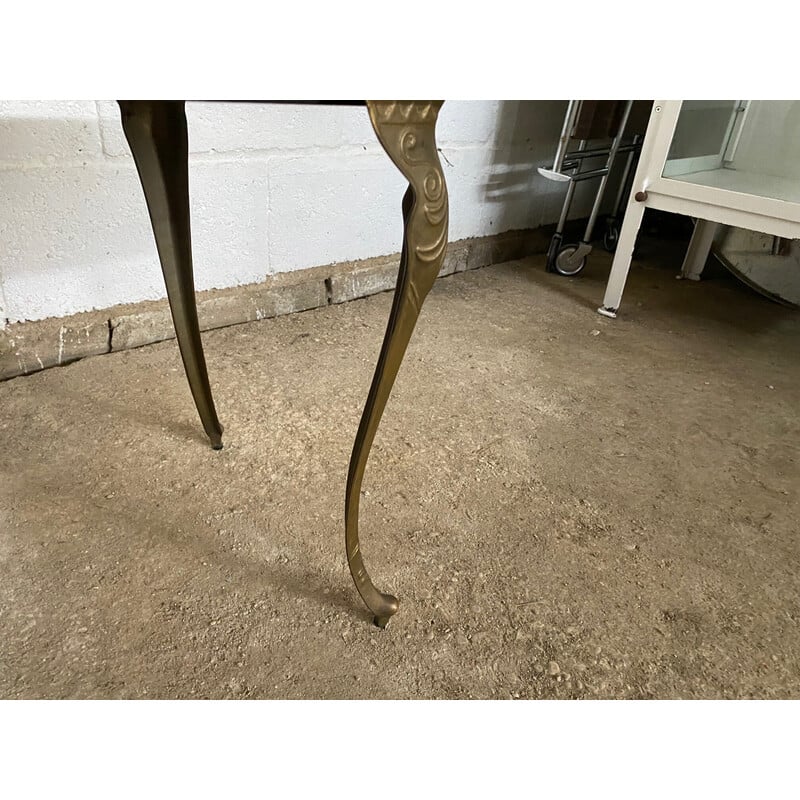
<point x="564" y="263"/>
<point x="552" y="252"/>
<point x="610" y="239"/>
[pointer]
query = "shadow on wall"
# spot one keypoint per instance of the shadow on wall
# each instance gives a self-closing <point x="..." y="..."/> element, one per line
<point x="526" y="138"/>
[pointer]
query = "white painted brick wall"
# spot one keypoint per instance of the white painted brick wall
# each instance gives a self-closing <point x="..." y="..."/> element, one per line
<point x="273" y="189"/>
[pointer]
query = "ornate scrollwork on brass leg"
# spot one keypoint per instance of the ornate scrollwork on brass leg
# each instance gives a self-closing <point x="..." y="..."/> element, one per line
<point x="156" y="133"/>
<point x="406" y="129"/>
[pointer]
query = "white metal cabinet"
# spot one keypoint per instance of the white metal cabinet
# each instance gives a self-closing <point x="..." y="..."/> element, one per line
<point x="730" y="162"/>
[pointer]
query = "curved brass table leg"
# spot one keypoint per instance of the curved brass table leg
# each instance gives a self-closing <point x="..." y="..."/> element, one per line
<point x="156" y="133"/>
<point x="406" y="129"/>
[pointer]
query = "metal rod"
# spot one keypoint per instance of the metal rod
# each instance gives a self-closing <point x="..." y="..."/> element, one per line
<point x="625" y="174"/>
<point x="585" y="176"/>
<point x="604" y="180"/>
<point x="569" y="123"/>
<point x="603" y="151"/>
<point x="562" y="221"/>
<point x="736" y="135"/>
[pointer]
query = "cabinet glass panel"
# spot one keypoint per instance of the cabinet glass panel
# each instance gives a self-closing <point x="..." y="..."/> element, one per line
<point x="746" y="146"/>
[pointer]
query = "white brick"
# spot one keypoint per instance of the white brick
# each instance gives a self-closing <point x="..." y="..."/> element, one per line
<point x="534" y="122"/>
<point x="245" y="127"/>
<point x="223" y="127"/>
<point x="35" y="132"/>
<point x="468" y="175"/>
<point x="491" y="191"/>
<point x="229" y="127"/>
<point x="114" y="142"/>
<point x="273" y="188"/>
<point x="229" y="202"/>
<point x="467" y="122"/>
<point x="327" y="209"/>
<point x="74" y="238"/>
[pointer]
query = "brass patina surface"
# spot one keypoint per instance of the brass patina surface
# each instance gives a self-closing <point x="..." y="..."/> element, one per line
<point x="157" y="134"/>
<point x="406" y="129"/>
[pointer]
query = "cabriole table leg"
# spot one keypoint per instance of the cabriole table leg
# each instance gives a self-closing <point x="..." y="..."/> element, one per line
<point x="157" y="135"/>
<point x="406" y="129"/>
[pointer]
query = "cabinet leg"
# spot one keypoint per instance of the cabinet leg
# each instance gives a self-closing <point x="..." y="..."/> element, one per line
<point x="622" y="258"/>
<point x="157" y="135"/>
<point x="407" y="132"/>
<point x="698" y="250"/>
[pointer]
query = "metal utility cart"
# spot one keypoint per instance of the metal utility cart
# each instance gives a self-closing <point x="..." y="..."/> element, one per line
<point x="588" y="121"/>
<point x="723" y="162"/>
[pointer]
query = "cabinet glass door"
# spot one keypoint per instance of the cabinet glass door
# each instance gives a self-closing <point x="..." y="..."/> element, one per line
<point x="746" y="146"/>
<point x="701" y="136"/>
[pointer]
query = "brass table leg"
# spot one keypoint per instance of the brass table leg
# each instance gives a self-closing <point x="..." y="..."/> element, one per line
<point x="156" y="133"/>
<point x="406" y="129"/>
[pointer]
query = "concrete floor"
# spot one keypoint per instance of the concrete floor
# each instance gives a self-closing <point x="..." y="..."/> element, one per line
<point x="568" y="506"/>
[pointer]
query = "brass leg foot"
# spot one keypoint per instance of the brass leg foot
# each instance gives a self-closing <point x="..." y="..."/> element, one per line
<point x="406" y="129"/>
<point x="156" y="133"/>
<point x="381" y="622"/>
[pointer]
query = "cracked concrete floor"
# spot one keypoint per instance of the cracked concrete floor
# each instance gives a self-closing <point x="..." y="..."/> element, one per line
<point x="567" y="506"/>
